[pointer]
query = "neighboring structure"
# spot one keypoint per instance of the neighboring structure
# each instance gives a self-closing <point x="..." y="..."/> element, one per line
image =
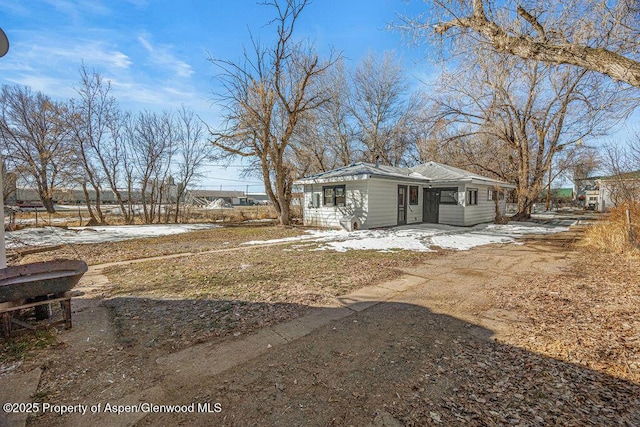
<point x="603" y="192"/>
<point x="237" y="198"/>
<point x="258" y="198"/>
<point x="365" y="195"/>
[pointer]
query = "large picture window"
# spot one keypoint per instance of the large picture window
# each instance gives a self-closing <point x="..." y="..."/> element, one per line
<point x="333" y="196"/>
<point x="449" y="196"/>
<point x="413" y="195"/>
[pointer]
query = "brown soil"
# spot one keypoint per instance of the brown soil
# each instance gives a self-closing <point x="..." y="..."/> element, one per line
<point x="533" y="334"/>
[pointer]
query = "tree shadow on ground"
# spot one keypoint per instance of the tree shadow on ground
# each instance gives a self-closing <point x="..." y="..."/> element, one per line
<point x="171" y="325"/>
<point x="401" y="364"/>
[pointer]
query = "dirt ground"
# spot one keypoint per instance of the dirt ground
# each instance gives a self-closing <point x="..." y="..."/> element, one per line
<point x="529" y="334"/>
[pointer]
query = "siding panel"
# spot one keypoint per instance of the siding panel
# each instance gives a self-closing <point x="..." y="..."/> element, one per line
<point x="330" y="216"/>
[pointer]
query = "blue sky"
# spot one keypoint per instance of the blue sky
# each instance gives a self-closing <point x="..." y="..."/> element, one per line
<point x="155" y="52"/>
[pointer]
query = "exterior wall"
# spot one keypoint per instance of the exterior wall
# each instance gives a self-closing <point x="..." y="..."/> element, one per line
<point x="383" y="203"/>
<point x="330" y="216"/>
<point x="374" y="202"/>
<point x="484" y="211"/>
<point x="453" y="214"/>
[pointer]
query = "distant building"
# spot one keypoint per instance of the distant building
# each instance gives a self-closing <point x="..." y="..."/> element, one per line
<point x="600" y="193"/>
<point x="203" y="197"/>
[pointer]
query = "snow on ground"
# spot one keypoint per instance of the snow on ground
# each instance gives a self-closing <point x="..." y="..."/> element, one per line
<point x="422" y="237"/>
<point x="418" y="237"/>
<point x="47" y="236"/>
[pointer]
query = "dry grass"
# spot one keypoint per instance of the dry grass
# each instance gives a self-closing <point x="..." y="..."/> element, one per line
<point x="75" y="218"/>
<point x="179" y="302"/>
<point x="587" y="316"/>
<point x="265" y="274"/>
<point x="612" y="235"/>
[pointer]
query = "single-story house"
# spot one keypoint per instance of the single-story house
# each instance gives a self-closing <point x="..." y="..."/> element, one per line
<point x="366" y="195"/>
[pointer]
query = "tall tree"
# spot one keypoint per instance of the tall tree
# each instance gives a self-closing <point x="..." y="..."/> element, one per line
<point x="117" y="162"/>
<point x="35" y="139"/>
<point x="525" y="113"/>
<point x="382" y="108"/>
<point x="90" y="118"/>
<point x="265" y="97"/>
<point x="152" y="145"/>
<point x="192" y="151"/>
<point x="601" y="36"/>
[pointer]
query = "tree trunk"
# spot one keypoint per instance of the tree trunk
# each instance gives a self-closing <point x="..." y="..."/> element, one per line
<point x="47" y="202"/>
<point x="87" y="201"/>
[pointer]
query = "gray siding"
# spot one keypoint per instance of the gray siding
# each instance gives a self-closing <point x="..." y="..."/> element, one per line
<point x="330" y="216"/>
<point x="484" y="211"/>
<point x="383" y="200"/>
<point x="374" y="202"/>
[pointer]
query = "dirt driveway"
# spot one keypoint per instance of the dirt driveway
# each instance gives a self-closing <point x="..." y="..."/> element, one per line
<point x="431" y="348"/>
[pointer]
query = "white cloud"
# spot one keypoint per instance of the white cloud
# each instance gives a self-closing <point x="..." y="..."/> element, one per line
<point x="162" y="56"/>
<point x="55" y="87"/>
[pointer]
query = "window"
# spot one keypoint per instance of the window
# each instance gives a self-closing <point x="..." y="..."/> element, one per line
<point x="315" y="201"/>
<point x="493" y="194"/>
<point x="449" y="196"/>
<point x="340" y="196"/>
<point x="333" y="196"/>
<point x="413" y="195"/>
<point x="472" y="196"/>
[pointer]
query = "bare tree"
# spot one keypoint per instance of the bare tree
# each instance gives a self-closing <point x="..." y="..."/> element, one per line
<point x="90" y="120"/>
<point x="525" y="113"/>
<point x="152" y="146"/>
<point x="192" y="151"/>
<point x="265" y="98"/>
<point x="382" y="108"/>
<point x="622" y="161"/>
<point x="600" y="36"/>
<point x="117" y="161"/>
<point x="35" y="139"/>
<point x="8" y="182"/>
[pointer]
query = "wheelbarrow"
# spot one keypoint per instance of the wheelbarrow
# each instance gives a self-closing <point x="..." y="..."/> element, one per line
<point x="38" y="285"/>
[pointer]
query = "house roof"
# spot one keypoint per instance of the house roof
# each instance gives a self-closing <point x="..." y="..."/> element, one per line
<point x="360" y="170"/>
<point x="441" y="172"/>
<point x="429" y="172"/>
<point x="623" y="176"/>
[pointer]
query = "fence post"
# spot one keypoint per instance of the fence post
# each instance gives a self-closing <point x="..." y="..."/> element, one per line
<point x="630" y="233"/>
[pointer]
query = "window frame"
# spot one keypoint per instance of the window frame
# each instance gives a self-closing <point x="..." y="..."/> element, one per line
<point x="472" y="197"/>
<point x="413" y="198"/>
<point x="454" y="190"/>
<point x="332" y="200"/>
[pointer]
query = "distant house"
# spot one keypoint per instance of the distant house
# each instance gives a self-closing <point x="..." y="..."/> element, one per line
<point x="365" y="195"/>
<point x="603" y="192"/>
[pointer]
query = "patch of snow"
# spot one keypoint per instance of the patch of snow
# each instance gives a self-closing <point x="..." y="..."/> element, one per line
<point x="47" y="236"/>
<point x="419" y="237"/>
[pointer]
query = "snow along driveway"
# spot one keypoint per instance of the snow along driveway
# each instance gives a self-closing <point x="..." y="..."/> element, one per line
<point x="420" y="237"/>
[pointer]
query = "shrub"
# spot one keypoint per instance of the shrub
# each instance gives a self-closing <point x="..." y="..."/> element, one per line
<point x="615" y="233"/>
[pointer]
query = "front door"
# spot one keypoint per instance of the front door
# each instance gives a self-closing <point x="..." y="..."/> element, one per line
<point x="402" y="204"/>
<point x="430" y="205"/>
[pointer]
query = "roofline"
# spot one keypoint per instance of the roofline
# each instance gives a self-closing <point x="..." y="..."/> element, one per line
<point x="425" y="181"/>
<point x="358" y="177"/>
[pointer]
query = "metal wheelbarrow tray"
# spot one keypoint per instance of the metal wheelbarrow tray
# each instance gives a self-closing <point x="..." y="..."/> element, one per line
<point x="38" y="279"/>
